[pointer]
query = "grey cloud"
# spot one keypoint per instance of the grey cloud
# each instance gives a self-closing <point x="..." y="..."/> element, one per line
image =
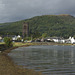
<point x="13" y="10"/>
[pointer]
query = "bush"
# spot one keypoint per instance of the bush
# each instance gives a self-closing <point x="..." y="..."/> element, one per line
<point x="8" y="41"/>
<point x="27" y="38"/>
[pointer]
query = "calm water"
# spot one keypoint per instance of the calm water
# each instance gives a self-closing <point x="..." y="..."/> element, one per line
<point x="51" y="60"/>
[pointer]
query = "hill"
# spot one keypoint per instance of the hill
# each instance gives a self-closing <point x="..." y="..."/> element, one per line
<point x="53" y="25"/>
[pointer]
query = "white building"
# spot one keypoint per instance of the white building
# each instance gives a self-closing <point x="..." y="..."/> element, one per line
<point x="0" y="38"/>
<point x="16" y="37"/>
<point x="72" y="40"/>
<point x="56" y="39"/>
<point x="59" y="40"/>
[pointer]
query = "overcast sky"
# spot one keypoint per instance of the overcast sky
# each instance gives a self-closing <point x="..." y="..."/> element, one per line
<point x="15" y="10"/>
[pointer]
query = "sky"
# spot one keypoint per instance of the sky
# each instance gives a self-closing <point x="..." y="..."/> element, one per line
<point x="15" y="10"/>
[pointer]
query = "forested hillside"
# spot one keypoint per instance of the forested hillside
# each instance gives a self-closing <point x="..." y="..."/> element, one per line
<point x="53" y="25"/>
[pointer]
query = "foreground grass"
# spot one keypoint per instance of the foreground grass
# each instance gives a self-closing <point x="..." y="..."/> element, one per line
<point x="7" y="67"/>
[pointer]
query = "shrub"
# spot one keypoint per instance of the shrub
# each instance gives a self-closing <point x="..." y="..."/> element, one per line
<point x="8" y="41"/>
<point x="27" y="38"/>
<point x="19" y="39"/>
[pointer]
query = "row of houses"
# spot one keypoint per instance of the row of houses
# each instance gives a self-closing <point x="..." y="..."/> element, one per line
<point x="57" y="40"/>
<point x="14" y="37"/>
<point x="47" y="39"/>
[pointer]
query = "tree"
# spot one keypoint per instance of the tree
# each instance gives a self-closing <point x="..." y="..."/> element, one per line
<point x="44" y="35"/>
<point x="8" y="41"/>
<point x="27" y="38"/>
<point x="19" y="39"/>
<point x="36" y="34"/>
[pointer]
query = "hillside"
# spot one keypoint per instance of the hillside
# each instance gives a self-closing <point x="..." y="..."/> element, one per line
<point x="53" y="25"/>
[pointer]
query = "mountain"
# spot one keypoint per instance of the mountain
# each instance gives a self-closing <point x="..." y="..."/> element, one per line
<point x="54" y="25"/>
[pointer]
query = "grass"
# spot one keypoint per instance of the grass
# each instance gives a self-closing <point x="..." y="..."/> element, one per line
<point x="1" y="42"/>
<point x="39" y="43"/>
<point x="7" y="67"/>
<point x="17" y="44"/>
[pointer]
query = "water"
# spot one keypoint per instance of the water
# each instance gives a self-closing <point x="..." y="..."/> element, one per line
<point x="50" y="60"/>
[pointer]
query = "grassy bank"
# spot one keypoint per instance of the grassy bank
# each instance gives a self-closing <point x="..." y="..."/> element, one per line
<point x="7" y="66"/>
<point x="20" y="44"/>
<point x="39" y="43"/>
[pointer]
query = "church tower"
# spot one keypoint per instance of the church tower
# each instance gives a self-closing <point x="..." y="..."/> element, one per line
<point x="25" y="29"/>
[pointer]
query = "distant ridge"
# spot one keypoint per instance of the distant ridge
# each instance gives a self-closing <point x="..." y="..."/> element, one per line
<point x="53" y="25"/>
<point x="64" y="15"/>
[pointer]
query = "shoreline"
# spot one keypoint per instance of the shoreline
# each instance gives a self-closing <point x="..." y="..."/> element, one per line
<point x="41" y="43"/>
<point x="34" y="44"/>
<point x="8" y="67"/>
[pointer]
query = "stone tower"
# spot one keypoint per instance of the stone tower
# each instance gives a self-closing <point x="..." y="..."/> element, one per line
<point x="25" y="29"/>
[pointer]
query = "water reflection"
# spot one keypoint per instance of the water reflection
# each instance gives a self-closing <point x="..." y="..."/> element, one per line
<point x="72" y="56"/>
<point x="56" y="60"/>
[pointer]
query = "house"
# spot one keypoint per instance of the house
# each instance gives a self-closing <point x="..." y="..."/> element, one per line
<point x="1" y="39"/>
<point x="55" y="39"/>
<point x="38" y="40"/>
<point x="59" y="40"/>
<point x="16" y="38"/>
<point x="71" y="40"/>
<point x="48" y="39"/>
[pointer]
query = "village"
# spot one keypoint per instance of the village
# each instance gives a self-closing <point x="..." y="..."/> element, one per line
<point x="47" y="39"/>
<point x="25" y="37"/>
